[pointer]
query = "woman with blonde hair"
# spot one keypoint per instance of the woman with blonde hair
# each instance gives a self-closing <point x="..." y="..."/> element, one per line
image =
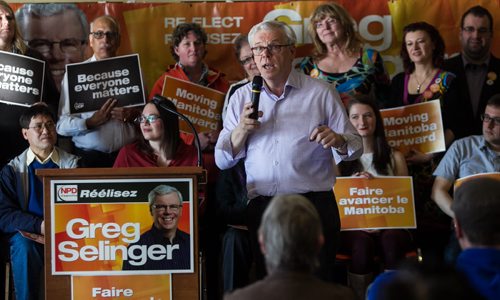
<point x="339" y="57"/>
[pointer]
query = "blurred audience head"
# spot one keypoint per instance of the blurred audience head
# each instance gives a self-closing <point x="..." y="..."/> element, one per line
<point x="290" y="234"/>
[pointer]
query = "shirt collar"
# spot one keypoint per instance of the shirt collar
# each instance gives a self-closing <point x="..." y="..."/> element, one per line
<point x="485" y="146"/>
<point x="485" y="62"/>
<point x="293" y="81"/>
<point x="54" y="156"/>
<point x="204" y="74"/>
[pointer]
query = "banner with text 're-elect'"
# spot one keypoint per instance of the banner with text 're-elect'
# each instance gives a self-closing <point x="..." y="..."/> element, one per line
<point x="202" y="105"/>
<point x="377" y="203"/>
<point x="90" y="84"/>
<point x="416" y="126"/>
<point x="21" y="79"/>
<point x="109" y="227"/>
<point x="136" y="287"/>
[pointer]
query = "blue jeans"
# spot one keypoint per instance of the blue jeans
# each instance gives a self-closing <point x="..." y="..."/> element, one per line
<point x="27" y="267"/>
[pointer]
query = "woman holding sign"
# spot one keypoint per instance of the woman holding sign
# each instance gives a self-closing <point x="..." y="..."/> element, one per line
<point x="378" y="159"/>
<point x="11" y="41"/>
<point x="422" y="52"/>
<point x="160" y="144"/>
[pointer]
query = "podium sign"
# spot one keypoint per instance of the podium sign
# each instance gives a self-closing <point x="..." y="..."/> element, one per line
<point x="97" y="226"/>
<point x="95" y="221"/>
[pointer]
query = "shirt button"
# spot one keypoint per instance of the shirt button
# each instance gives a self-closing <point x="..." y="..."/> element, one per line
<point x="276" y="163"/>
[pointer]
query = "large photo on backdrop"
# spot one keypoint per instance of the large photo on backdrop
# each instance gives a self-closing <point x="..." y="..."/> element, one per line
<point x="147" y="27"/>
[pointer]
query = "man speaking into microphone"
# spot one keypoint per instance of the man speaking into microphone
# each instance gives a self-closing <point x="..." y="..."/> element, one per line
<point x="301" y="130"/>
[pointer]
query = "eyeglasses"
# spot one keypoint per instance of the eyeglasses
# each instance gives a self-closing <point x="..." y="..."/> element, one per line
<point x="246" y="60"/>
<point x="66" y="46"/>
<point x="150" y="119"/>
<point x="101" y="34"/>
<point x="487" y="119"/>
<point x="273" y="49"/>
<point x="40" y="126"/>
<point x="171" y="207"/>
<point x="322" y="24"/>
<point x="471" y="29"/>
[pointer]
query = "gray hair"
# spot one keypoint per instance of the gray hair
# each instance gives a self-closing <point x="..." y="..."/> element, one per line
<point x="271" y="26"/>
<point x="48" y="10"/>
<point x="290" y="231"/>
<point x="163" y="190"/>
<point x="112" y="21"/>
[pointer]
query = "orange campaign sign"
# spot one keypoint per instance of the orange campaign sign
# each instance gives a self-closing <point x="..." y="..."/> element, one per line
<point x="377" y="203"/>
<point x="135" y="287"/>
<point x="202" y="105"/>
<point x="460" y="181"/>
<point x="107" y="227"/>
<point x="416" y="126"/>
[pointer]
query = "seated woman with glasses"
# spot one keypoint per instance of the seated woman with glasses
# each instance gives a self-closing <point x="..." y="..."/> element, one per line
<point x="340" y="59"/>
<point x="160" y="144"/>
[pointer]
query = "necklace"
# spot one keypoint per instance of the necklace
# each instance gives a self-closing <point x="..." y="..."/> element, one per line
<point x="419" y="85"/>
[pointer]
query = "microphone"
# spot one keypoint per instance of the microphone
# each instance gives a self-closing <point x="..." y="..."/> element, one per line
<point x="256" y="88"/>
<point x="160" y="101"/>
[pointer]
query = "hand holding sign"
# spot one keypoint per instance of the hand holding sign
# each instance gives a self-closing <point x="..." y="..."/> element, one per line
<point x="415" y="157"/>
<point x="102" y="115"/>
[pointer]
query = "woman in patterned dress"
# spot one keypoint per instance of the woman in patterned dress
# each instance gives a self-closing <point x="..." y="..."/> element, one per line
<point x="340" y="59"/>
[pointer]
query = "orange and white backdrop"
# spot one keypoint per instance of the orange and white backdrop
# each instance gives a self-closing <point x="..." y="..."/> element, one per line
<point x="147" y="27"/>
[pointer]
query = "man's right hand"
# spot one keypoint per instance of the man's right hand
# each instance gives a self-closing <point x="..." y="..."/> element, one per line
<point x="244" y="128"/>
<point x="102" y="115"/>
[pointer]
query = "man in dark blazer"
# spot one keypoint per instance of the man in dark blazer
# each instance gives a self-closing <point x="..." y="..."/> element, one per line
<point x="290" y="237"/>
<point x="477" y="71"/>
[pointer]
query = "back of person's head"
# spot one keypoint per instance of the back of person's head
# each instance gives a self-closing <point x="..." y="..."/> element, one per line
<point x="291" y="234"/>
<point x="423" y="282"/>
<point x="478" y="11"/>
<point x="34" y="111"/>
<point x="476" y="204"/>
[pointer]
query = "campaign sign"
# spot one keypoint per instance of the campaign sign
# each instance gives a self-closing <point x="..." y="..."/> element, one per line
<point x="137" y="287"/>
<point x="416" y="126"/>
<point x="460" y="181"/>
<point x="377" y="203"/>
<point x="90" y="84"/>
<point x="201" y="105"/>
<point x="107" y="227"/>
<point x="21" y="79"/>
